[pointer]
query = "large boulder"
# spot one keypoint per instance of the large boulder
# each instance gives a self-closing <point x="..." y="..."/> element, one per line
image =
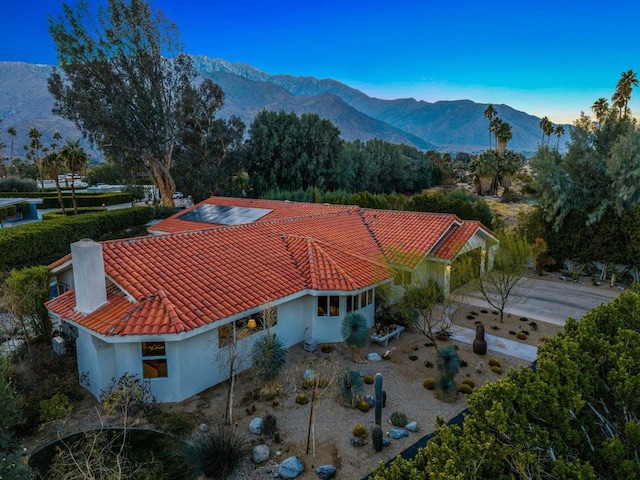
<point x="292" y="467"/>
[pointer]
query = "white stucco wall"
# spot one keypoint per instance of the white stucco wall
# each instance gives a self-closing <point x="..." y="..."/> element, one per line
<point x="96" y="360"/>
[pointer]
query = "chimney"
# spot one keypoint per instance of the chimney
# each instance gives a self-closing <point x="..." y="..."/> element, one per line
<point x="88" y="275"/>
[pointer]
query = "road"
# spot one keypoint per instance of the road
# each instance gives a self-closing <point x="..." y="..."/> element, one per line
<point x="550" y="299"/>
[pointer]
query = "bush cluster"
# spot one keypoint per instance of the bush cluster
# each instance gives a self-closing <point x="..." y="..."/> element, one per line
<point x="44" y="242"/>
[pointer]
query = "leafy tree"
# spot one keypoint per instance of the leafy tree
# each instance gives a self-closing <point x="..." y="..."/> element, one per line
<point x="76" y="160"/>
<point x="107" y="172"/>
<point x="208" y="159"/>
<point x="418" y="303"/>
<point x="25" y="292"/>
<point x="121" y="81"/>
<point x="12" y="465"/>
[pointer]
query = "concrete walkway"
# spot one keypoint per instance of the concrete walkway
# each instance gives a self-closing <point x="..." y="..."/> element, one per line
<point x="495" y="344"/>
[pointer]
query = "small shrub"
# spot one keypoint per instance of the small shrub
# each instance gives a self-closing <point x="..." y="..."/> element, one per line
<point x="470" y="382"/>
<point x="363" y="405"/>
<point x="495" y="312"/>
<point x="360" y="431"/>
<point x="472" y="312"/>
<point x="176" y="423"/>
<point x="269" y="355"/>
<point x="496" y="369"/>
<point x="215" y="454"/>
<point x="398" y="419"/>
<point x="463" y="363"/>
<point x="55" y="408"/>
<point x="521" y="336"/>
<point x="429" y="344"/>
<point x="494" y="362"/>
<point x="307" y="383"/>
<point x="413" y="358"/>
<point x="414" y="348"/>
<point x="484" y="311"/>
<point x="368" y="379"/>
<point x="302" y="399"/>
<point x="326" y="348"/>
<point x="533" y="325"/>
<point x="512" y="332"/>
<point x="270" y="424"/>
<point x="495" y="327"/>
<point x="428" y="364"/>
<point x="429" y="383"/>
<point x="323" y="383"/>
<point x="470" y="317"/>
<point x="466" y="389"/>
<point x="524" y="319"/>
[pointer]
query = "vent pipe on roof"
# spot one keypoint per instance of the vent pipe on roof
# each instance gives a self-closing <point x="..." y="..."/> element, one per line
<point x="88" y="275"/>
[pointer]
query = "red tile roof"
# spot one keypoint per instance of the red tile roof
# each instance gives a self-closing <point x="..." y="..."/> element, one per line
<point x="183" y="281"/>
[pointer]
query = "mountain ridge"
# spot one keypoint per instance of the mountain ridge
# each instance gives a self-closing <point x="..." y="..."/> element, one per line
<point x="451" y="125"/>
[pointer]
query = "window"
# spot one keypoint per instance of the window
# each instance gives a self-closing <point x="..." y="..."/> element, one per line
<point x="370" y="297"/>
<point x="154" y="359"/>
<point x="349" y="304"/>
<point x="328" y="306"/>
<point x="247" y="326"/>
<point x="363" y="299"/>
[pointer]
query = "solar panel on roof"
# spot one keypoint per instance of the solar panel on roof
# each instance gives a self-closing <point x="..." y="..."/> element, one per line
<point x="224" y="215"/>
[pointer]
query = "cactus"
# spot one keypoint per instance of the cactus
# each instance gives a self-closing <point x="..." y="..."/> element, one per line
<point x="384" y="399"/>
<point x="376" y="437"/>
<point x="379" y="399"/>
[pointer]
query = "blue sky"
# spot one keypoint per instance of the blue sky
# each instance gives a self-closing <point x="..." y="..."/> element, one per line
<point x="542" y="57"/>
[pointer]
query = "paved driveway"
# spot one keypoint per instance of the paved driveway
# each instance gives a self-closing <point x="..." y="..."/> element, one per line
<point x="550" y="299"/>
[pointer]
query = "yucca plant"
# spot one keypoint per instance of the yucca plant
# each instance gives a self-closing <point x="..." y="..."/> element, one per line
<point x="269" y="357"/>
<point x="350" y="387"/>
<point x="355" y="333"/>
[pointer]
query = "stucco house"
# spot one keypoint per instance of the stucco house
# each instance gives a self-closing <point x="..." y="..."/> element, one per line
<point x="167" y="307"/>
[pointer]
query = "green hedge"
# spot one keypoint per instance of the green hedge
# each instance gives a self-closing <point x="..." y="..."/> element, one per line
<point x="45" y="242"/>
<point x="8" y="211"/>
<point x="69" y="212"/>
<point x="50" y="199"/>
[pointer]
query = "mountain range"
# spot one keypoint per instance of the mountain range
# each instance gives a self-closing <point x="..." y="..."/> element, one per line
<point x="452" y="126"/>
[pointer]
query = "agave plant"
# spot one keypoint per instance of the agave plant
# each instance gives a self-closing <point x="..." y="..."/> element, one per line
<point x="449" y="365"/>
<point x="355" y="333"/>
<point x="350" y="387"/>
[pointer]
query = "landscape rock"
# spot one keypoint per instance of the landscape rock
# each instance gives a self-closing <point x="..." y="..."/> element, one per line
<point x="260" y="454"/>
<point x="370" y="400"/>
<point x="412" y="426"/>
<point x="373" y="357"/>
<point x="291" y="467"/>
<point x="203" y="427"/>
<point x="398" y="433"/>
<point x="325" y="472"/>
<point x="309" y="374"/>
<point x="256" y="425"/>
<point x="385" y="442"/>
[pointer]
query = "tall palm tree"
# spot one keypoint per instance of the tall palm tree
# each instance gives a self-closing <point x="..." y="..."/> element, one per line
<point x="52" y="164"/>
<point x="559" y="131"/>
<point x="12" y="131"/>
<point x="600" y="109"/>
<point x="624" y="87"/>
<point x="543" y="124"/>
<point x="489" y="113"/>
<point x="503" y="135"/>
<point x="34" y="144"/>
<point x="75" y="160"/>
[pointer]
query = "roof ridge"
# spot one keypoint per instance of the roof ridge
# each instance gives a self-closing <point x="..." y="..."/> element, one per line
<point x="334" y="264"/>
<point x="170" y="308"/>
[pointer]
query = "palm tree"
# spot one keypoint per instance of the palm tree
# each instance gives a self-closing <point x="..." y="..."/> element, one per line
<point x="503" y="135"/>
<point x="489" y="113"/>
<point x="543" y="124"/>
<point x="624" y="87"/>
<point x="12" y="131"/>
<point x="75" y="159"/>
<point x="600" y="108"/>
<point x="52" y="164"/>
<point x="510" y="164"/>
<point x="559" y="131"/>
<point x="485" y="167"/>
<point x="34" y="144"/>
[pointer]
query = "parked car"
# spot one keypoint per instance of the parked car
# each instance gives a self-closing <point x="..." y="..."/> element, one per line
<point x="177" y="195"/>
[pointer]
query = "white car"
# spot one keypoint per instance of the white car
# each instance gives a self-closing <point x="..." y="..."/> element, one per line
<point x="177" y="195"/>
